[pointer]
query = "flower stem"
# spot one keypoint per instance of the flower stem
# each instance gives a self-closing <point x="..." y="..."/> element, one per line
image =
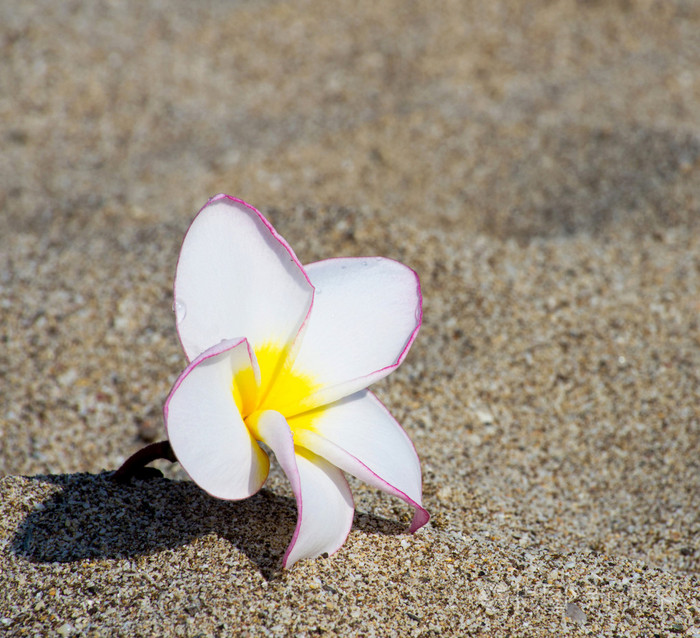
<point x="135" y="465"/>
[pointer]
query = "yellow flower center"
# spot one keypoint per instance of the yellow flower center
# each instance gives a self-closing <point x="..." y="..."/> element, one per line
<point x="281" y="388"/>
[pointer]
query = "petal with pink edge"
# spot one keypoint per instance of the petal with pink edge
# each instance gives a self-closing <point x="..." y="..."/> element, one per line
<point x="205" y="428"/>
<point x="324" y="502"/>
<point x="359" y="435"/>
<point x="366" y="314"/>
<point x="236" y="276"/>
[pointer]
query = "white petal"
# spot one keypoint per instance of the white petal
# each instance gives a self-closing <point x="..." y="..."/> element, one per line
<point x="365" y="316"/>
<point x="236" y="276"/>
<point x="324" y="502"/>
<point x="359" y="435"/>
<point x="205" y="428"/>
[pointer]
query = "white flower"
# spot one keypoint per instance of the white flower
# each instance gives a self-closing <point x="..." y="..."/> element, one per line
<point x="283" y="353"/>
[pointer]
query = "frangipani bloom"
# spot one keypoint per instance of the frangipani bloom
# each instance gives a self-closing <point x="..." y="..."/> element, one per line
<point x="282" y="354"/>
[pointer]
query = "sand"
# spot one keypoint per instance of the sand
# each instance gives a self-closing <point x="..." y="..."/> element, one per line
<point x="538" y="166"/>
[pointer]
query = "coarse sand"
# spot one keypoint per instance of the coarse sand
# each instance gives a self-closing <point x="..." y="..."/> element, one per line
<point x="537" y="163"/>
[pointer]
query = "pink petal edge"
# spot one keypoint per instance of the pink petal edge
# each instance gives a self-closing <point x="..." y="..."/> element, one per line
<point x="419" y="314"/>
<point x="288" y="464"/>
<point x="274" y="430"/>
<point x="295" y="536"/>
<point x="274" y="234"/>
<point x="376" y="375"/>
<point x="425" y="516"/>
<point x="421" y="516"/>
<point x="219" y="348"/>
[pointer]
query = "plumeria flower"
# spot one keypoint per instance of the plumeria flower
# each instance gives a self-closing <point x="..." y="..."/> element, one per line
<point x="282" y="354"/>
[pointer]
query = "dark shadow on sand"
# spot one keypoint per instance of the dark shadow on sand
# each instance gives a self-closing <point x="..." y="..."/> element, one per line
<point x="93" y="517"/>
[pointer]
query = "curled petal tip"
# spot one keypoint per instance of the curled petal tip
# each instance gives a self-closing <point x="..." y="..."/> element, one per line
<point x="420" y="518"/>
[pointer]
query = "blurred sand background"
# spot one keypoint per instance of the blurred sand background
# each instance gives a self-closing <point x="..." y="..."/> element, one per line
<point x="538" y="164"/>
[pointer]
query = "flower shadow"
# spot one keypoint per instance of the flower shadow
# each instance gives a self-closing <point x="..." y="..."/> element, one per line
<point x="91" y="517"/>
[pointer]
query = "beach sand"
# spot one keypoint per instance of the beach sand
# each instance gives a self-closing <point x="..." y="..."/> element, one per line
<point x="538" y="166"/>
